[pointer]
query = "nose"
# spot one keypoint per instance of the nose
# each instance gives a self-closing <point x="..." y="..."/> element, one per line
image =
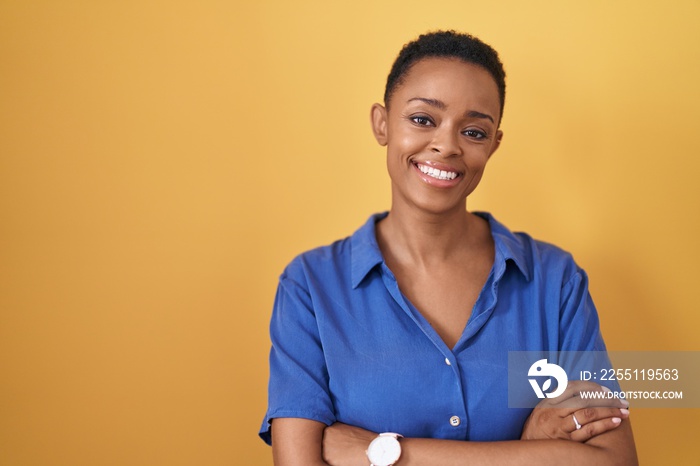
<point x="446" y="141"/>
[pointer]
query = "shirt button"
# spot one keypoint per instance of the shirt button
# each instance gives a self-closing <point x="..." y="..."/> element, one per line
<point x="455" y="421"/>
<point x="447" y="361"/>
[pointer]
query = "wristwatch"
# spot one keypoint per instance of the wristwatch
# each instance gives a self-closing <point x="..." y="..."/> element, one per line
<point x="384" y="450"/>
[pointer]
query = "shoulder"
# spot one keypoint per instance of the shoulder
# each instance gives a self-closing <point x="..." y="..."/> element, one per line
<point x="318" y="261"/>
<point x="343" y="261"/>
<point x="535" y="258"/>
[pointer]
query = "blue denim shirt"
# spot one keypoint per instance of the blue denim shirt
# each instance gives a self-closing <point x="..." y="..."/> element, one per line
<point x="348" y="346"/>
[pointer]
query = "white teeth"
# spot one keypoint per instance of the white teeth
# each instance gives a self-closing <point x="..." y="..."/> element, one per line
<point x="435" y="173"/>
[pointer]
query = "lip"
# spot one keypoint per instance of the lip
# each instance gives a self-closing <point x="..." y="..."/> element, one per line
<point x="438" y="166"/>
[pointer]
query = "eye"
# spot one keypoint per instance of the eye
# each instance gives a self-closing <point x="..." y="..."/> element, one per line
<point x="474" y="133"/>
<point x="422" y="120"/>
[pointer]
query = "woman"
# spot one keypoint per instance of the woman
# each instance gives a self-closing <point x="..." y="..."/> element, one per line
<point x="405" y="327"/>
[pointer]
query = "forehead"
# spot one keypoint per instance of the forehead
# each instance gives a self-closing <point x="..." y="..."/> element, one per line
<point x="450" y="80"/>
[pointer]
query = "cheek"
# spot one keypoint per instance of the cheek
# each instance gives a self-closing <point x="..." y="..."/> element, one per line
<point x="405" y="140"/>
<point x="409" y="141"/>
<point x="475" y="162"/>
<point x="401" y="148"/>
<point x="394" y="162"/>
<point x="477" y="156"/>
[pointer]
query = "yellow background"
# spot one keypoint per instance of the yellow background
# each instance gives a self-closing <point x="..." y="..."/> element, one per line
<point x="162" y="161"/>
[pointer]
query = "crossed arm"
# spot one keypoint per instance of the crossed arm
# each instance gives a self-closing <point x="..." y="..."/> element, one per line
<point x="549" y="438"/>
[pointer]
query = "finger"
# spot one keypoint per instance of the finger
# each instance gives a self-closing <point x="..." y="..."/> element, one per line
<point x="588" y="431"/>
<point x="570" y="405"/>
<point x="588" y="415"/>
<point x="598" y="395"/>
<point x="571" y="400"/>
<point x="579" y="402"/>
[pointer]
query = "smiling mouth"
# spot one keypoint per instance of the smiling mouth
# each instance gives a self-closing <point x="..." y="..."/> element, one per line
<point x="437" y="174"/>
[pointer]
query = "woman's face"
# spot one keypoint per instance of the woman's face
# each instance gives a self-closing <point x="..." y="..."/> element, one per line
<point x="440" y="129"/>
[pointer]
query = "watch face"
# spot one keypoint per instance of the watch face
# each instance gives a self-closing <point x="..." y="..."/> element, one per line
<point x="384" y="451"/>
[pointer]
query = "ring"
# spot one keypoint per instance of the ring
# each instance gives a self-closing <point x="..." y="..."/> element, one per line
<point x="578" y="426"/>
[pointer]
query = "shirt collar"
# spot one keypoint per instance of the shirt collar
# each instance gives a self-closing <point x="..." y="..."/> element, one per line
<point x="509" y="246"/>
<point x="366" y="255"/>
<point x="364" y="249"/>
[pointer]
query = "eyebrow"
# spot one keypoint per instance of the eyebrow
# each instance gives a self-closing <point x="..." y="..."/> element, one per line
<point x="475" y="114"/>
<point x="442" y="106"/>
<point x="432" y="102"/>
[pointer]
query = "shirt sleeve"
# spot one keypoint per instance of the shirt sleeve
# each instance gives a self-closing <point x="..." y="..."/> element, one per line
<point x="580" y="336"/>
<point x="579" y="324"/>
<point x="298" y="386"/>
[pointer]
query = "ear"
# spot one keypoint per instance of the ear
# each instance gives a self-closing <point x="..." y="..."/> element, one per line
<point x="497" y="142"/>
<point x="378" y="116"/>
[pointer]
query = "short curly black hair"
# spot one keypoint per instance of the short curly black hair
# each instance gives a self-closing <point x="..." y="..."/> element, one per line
<point x="446" y="44"/>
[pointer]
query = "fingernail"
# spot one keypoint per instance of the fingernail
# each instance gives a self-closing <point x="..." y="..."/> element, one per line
<point x="606" y="389"/>
<point x="616" y="420"/>
<point x="625" y="403"/>
<point x="624" y="411"/>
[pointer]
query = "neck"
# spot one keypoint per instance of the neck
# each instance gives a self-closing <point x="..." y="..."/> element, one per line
<point x="421" y="238"/>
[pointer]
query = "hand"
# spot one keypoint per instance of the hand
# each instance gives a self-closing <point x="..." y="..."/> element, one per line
<point x="553" y="418"/>
<point x="345" y="445"/>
